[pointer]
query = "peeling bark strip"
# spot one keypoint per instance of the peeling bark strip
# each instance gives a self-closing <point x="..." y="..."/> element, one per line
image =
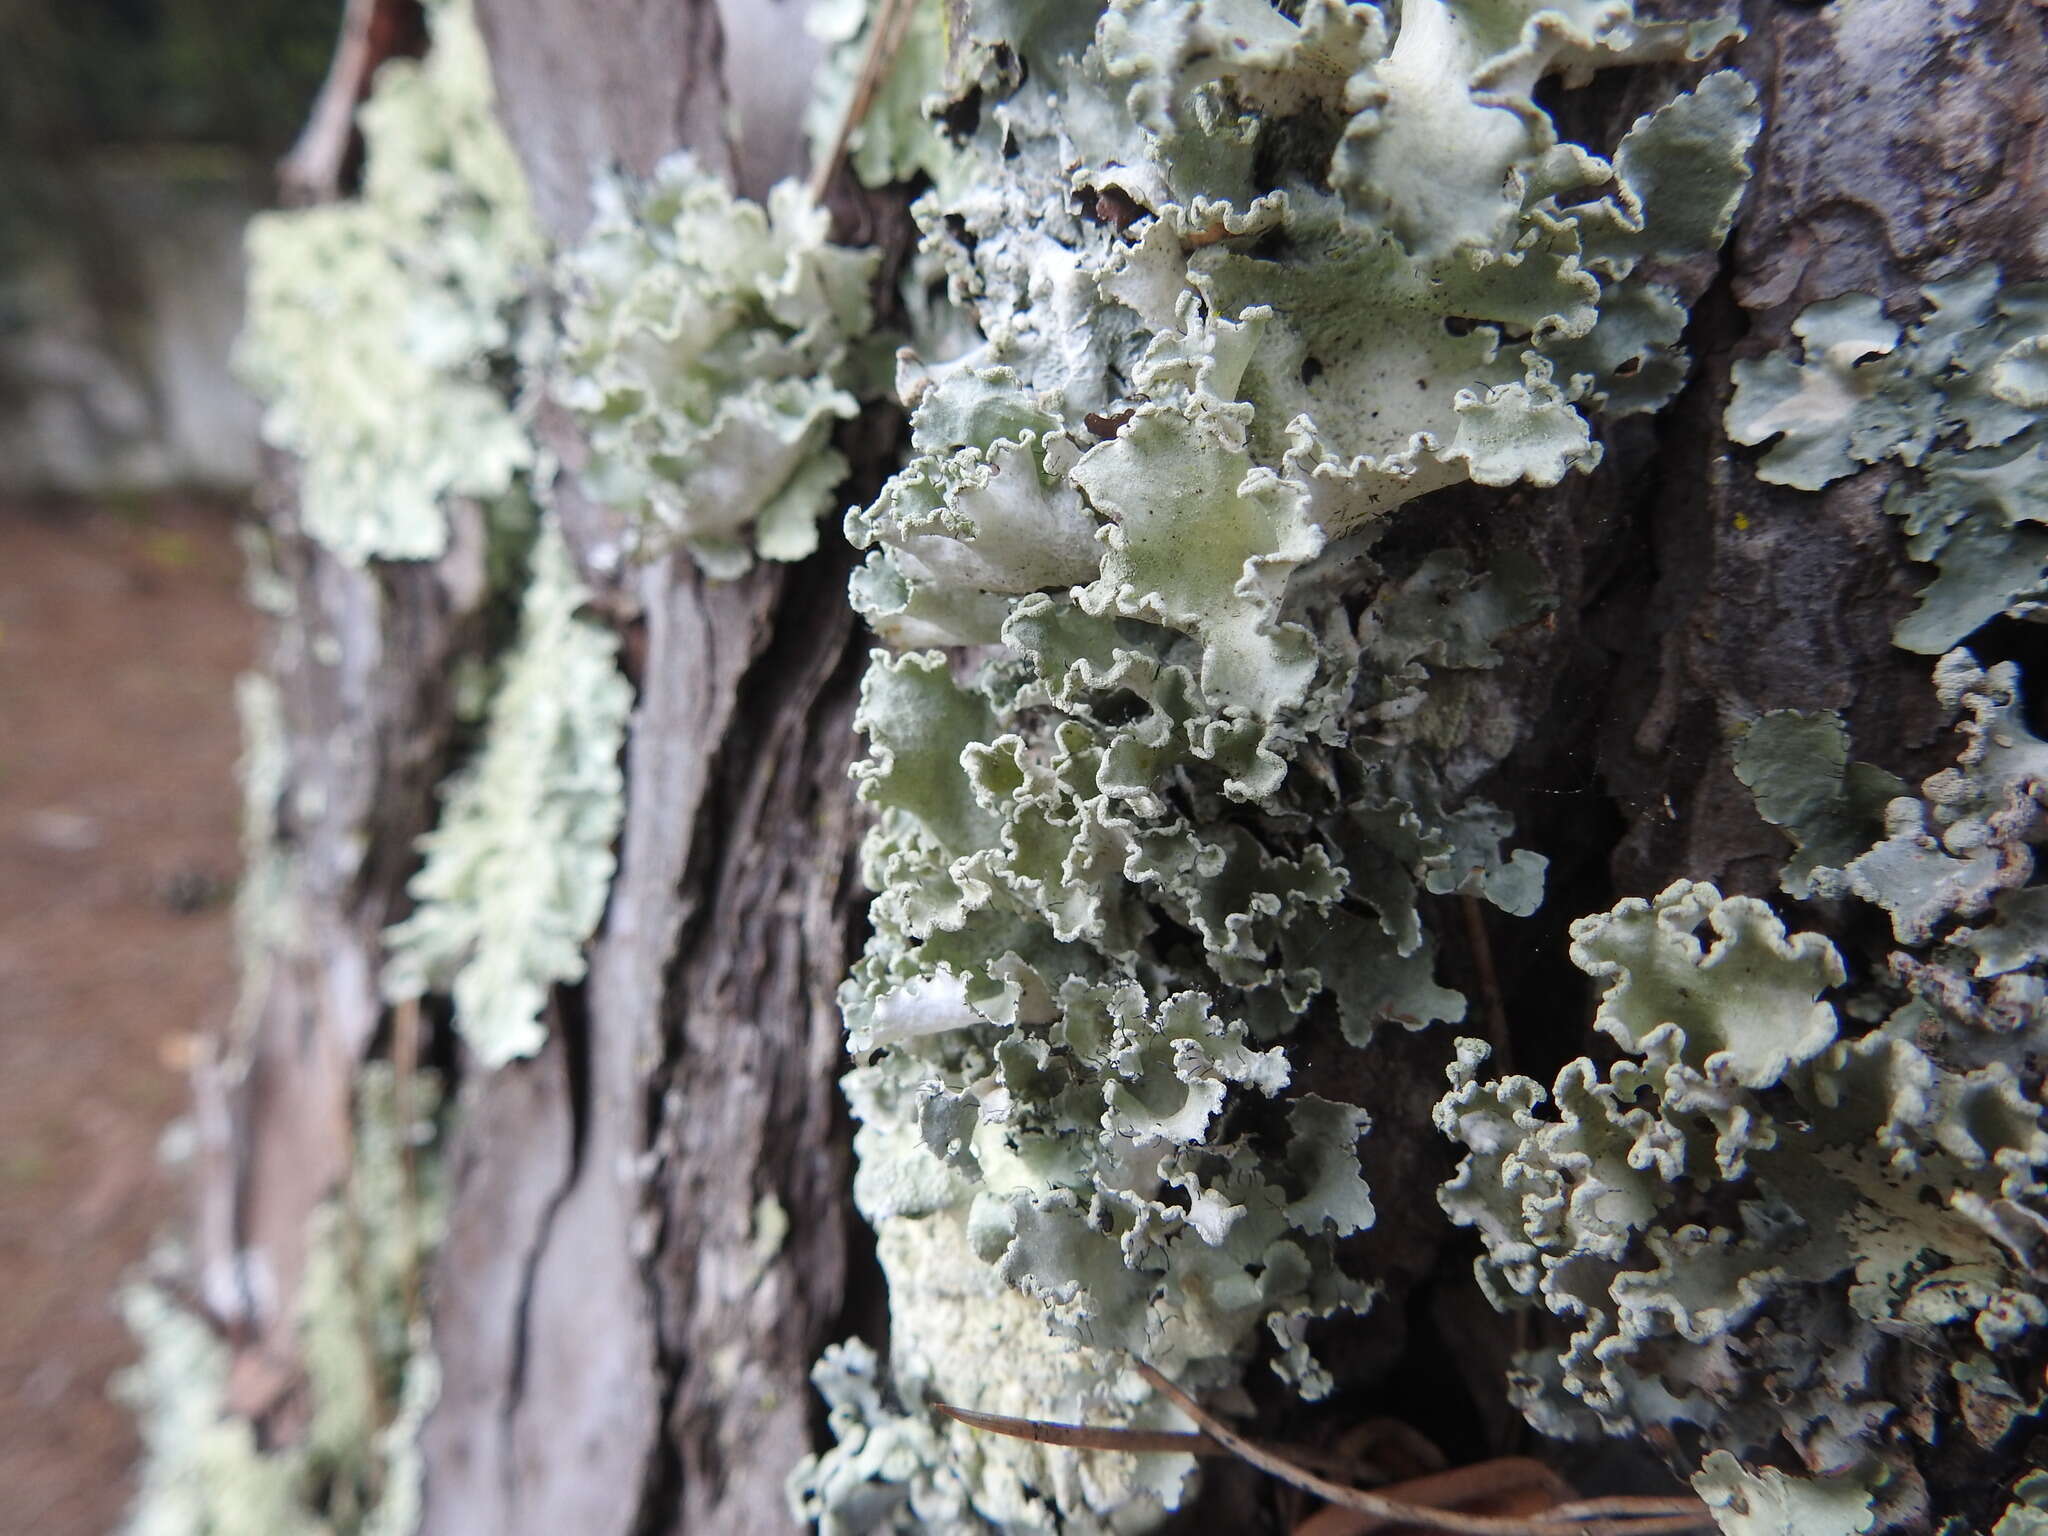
<point x="372" y="31"/>
<point x="650" y="1223"/>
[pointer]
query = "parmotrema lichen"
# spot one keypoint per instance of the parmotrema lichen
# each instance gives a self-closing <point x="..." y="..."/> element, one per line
<point x="1173" y="728"/>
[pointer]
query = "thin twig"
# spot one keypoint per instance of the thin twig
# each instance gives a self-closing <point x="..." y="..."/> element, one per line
<point x="1422" y="1501"/>
<point x="371" y="32"/>
<point x="1641" y="1518"/>
<point x="221" y="1154"/>
<point x="891" y="26"/>
<point x="1335" y="1520"/>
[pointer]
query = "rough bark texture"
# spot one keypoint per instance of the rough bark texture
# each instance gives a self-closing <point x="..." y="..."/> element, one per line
<point x="362" y="668"/>
<point x="1903" y="144"/>
<point x="654" y="1374"/>
<point x="621" y="1354"/>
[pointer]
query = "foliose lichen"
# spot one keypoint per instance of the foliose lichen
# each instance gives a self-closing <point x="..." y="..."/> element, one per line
<point x="1806" y="1231"/>
<point x="375" y="324"/>
<point x="2027" y="1514"/>
<point x="1771" y="1503"/>
<point x="369" y="1371"/>
<point x="1960" y="396"/>
<point x="1796" y="763"/>
<point x="516" y="872"/>
<point x="1778" y="1159"/>
<point x="1165" y="748"/>
<point x="707" y="345"/>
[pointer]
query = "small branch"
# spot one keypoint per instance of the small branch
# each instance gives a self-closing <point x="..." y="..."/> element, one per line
<point x="1422" y="1502"/>
<point x="221" y="1156"/>
<point x="1120" y="1440"/>
<point x="1489" y="1481"/>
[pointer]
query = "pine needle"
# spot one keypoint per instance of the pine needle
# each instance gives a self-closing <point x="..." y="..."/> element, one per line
<point x="1587" y="1517"/>
<point x="1625" y="1516"/>
<point x="891" y="26"/>
<point x="1088" y="1437"/>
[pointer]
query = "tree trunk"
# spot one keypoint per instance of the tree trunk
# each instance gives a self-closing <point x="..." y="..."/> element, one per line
<point x="624" y="1328"/>
<point x="618" y="1351"/>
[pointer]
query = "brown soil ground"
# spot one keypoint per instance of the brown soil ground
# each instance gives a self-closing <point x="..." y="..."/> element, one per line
<point x="121" y="633"/>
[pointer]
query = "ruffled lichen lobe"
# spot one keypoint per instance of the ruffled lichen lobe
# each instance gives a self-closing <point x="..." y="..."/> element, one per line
<point x="376" y="325"/>
<point x="706" y="350"/>
<point x="350" y="1465"/>
<point x="1798" y="1213"/>
<point x="515" y="873"/>
<point x="1959" y="399"/>
<point x="1164" y="746"/>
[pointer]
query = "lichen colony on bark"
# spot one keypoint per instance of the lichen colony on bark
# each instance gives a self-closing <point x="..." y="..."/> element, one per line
<point x="1166" y="749"/>
<point x="1257" y="361"/>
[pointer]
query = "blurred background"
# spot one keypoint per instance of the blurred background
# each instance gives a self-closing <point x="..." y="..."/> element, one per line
<point x="136" y="137"/>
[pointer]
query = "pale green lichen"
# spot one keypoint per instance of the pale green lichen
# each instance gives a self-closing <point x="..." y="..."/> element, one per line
<point x="1857" y="1266"/>
<point x="517" y="870"/>
<point x="1769" y="1503"/>
<point x="375" y="325"/>
<point x="1797" y="766"/>
<point x="1167" y="749"/>
<point x="1854" y="1275"/>
<point x="1958" y="397"/>
<point x="2027" y="1514"/>
<point x="370" y="1375"/>
<point x="201" y="1473"/>
<point x="1964" y="847"/>
<point x="707" y="342"/>
<point x="1773" y="1228"/>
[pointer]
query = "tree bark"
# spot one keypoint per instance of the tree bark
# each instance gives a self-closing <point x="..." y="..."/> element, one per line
<point x="620" y="1350"/>
<point x="1901" y="146"/>
<point x="623" y="1349"/>
<point x="634" y="1358"/>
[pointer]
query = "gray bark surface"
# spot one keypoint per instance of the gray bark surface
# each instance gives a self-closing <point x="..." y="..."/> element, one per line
<point x="1903" y="141"/>
<point x="655" y="1376"/>
<point x="363" y="672"/>
<point x="622" y="1356"/>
